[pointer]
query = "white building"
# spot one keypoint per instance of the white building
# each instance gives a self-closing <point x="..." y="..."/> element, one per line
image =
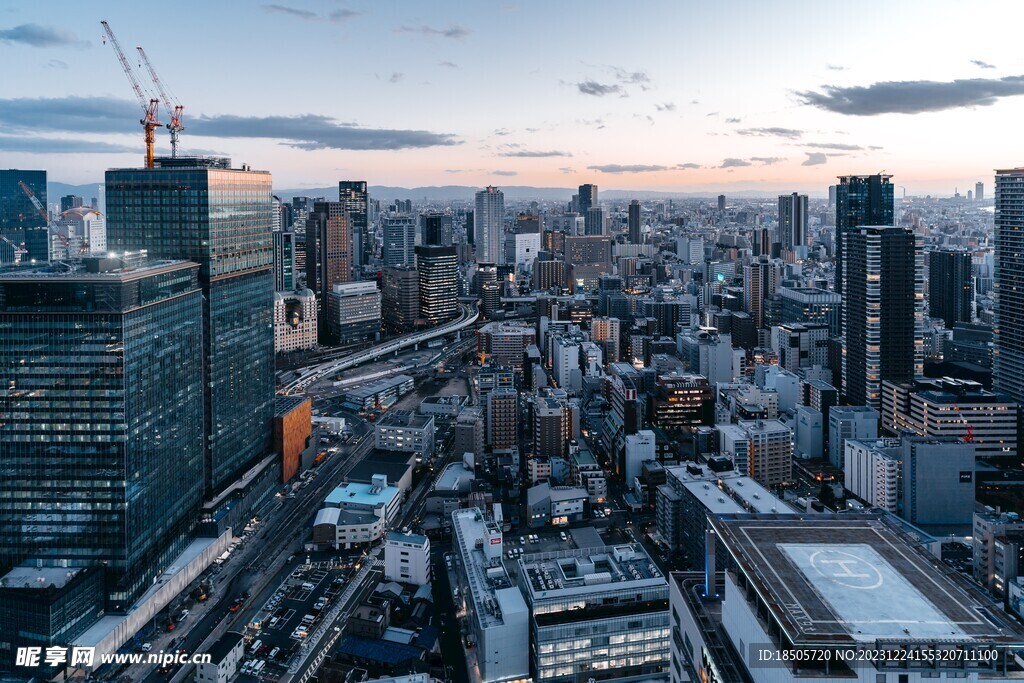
<point x="565" y="361"/>
<point x="489" y="225"/>
<point x="809" y="428"/>
<point x="526" y="247"/>
<point x="294" y="320"/>
<point x="356" y="513"/>
<point x="836" y="584"/>
<point x="225" y="656"/>
<point x="872" y="473"/>
<point x="80" y="232"/>
<point x="497" y="616"/>
<point x="407" y="558"/>
<point x="639" y="448"/>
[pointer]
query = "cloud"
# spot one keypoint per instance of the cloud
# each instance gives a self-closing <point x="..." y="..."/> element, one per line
<point x="734" y="163"/>
<point x="56" y="64"/>
<point x="686" y="166"/>
<point x="566" y="169"/>
<point x="454" y="31"/>
<point x="502" y="131"/>
<point x="599" y="89"/>
<point x="504" y="173"/>
<point x="732" y="120"/>
<point x="767" y="161"/>
<point x="836" y="145"/>
<point x="37" y="145"/>
<point x="35" y="35"/>
<point x="447" y="64"/>
<point x="396" y="77"/>
<point x="714" y="113"/>
<point x="632" y="77"/>
<point x="982" y="65"/>
<point x="815" y="159"/>
<point x="337" y="16"/>
<point x="666" y="106"/>
<point x="835" y="67"/>
<point x="913" y="97"/>
<point x="789" y="133"/>
<point x="633" y="168"/>
<point x="535" y="154"/>
<point x="111" y="115"/>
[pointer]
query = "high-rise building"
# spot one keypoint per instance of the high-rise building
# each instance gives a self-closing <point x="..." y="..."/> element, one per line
<point x="721" y="203"/>
<point x="1008" y="368"/>
<point x="399" y="240"/>
<point x="760" y="280"/>
<point x="70" y="201"/>
<point x="979" y="191"/>
<point x="860" y="200"/>
<point x="284" y="261"/>
<point x="328" y="248"/>
<point x="761" y="242"/>
<point x="502" y="423"/>
<point x="438" y="269"/>
<point x="770" y="459"/>
<point x="792" y="220"/>
<point x="606" y="332"/>
<point x="354" y="197"/>
<point x="883" y="315"/>
<point x="950" y="287"/>
<point x="436" y="229"/>
<point x="353" y="311"/>
<point x="634" y="224"/>
<point x="205" y="211"/>
<point x="79" y="232"/>
<point x="295" y="320"/>
<point x="810" y="305"/>
<point x="593" y="223"/>
<point x="103" y="468"/>
<point x="587" y="200"/>
<point x="400" y="298"/>
<point x="550" y="428"/>
<point x="489" y="225"/>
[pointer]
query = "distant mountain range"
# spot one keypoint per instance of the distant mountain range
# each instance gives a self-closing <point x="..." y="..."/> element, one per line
<point x="464" y="193"/>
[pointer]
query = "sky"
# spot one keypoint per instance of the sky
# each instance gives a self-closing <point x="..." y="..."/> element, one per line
<point x="654" y="95"/>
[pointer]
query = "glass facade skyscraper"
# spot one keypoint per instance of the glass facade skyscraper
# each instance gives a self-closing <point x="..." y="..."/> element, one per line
<point x="19" y="220"/>
<point x="438" y="269"/>
<point x="284" y="261"/>
<point x="489" y="225"/>
<point x="860" y="200"/>
<point x="1008" y="365"/>
<point x="354" y="196"/>
<point x="202" y="210"/>
<point x="102" y="421"/>
<point x="792" y="220"/>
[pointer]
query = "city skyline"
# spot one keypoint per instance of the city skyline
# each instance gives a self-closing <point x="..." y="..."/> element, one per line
<point x="744" y="109"/>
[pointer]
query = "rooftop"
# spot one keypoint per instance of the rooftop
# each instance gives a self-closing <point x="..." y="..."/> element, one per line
<point x="368" y="390"/>
<point x="405" y="418"/>
<point x="560" y="574"/>
<point x="492" y="591"/>
<point x="354" y="493"/>
<point x="24" y="576"/>
<point x="835" y="580"/>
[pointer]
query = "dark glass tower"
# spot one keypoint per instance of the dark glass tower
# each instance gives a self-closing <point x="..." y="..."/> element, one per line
<point x="101" y="424"/>
<point x="202" y="210"/>
<point x="634" y="222"/>
<point x="284" y="261"/>
<point x="860" y="200"/>
<point x="20" y="222"/>
<point x="354" y="196"/>
<point x="793" y="220"/>
<point x="881" y="313"/>
<point x="1008" y="366"/>
<point x="438" y="269"/>
<point x="329" y="242"/>
<point x="587" y="198"/>
<point x="950" y="287"/>
<point x="436" y="229"/>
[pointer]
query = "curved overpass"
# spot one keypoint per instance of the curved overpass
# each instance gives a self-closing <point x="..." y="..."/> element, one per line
<point x="308" y="376"/>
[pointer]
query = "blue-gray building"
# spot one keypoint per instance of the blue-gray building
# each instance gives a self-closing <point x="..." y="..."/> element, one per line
<point x="203" y="210"/>
<point x="20" y="222"/>
<point x="284" y="261"/>
<point x="102" y="420"/>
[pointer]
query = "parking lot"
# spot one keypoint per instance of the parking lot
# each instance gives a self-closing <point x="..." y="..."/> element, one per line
<point x="291" y="614"/>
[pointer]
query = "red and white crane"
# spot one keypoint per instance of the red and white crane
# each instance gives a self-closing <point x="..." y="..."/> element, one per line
<point x="172" y="104"/>
<point x="150" y="105"/>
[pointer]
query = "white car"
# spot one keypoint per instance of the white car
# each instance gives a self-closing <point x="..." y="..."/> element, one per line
<point x="146" y="647"/>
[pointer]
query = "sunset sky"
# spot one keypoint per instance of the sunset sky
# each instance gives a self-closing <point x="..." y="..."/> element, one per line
<point x="667" y="95"/>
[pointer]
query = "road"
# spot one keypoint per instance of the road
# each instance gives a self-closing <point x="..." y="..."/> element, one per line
<point x="262" y="565"/>
<point x="315" y="373"/>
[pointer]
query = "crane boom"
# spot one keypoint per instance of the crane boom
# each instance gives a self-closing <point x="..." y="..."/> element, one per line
<point x="150" y="109"/>
<point x="173" y="105"/>
<point x="40" y="209"/>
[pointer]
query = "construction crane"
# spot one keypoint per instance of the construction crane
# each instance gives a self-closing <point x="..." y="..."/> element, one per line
<point x="53" y="228"/>
<point x="40" y="209"/>
<point x="150" y="109"/>
<point x="173" y="105"/>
